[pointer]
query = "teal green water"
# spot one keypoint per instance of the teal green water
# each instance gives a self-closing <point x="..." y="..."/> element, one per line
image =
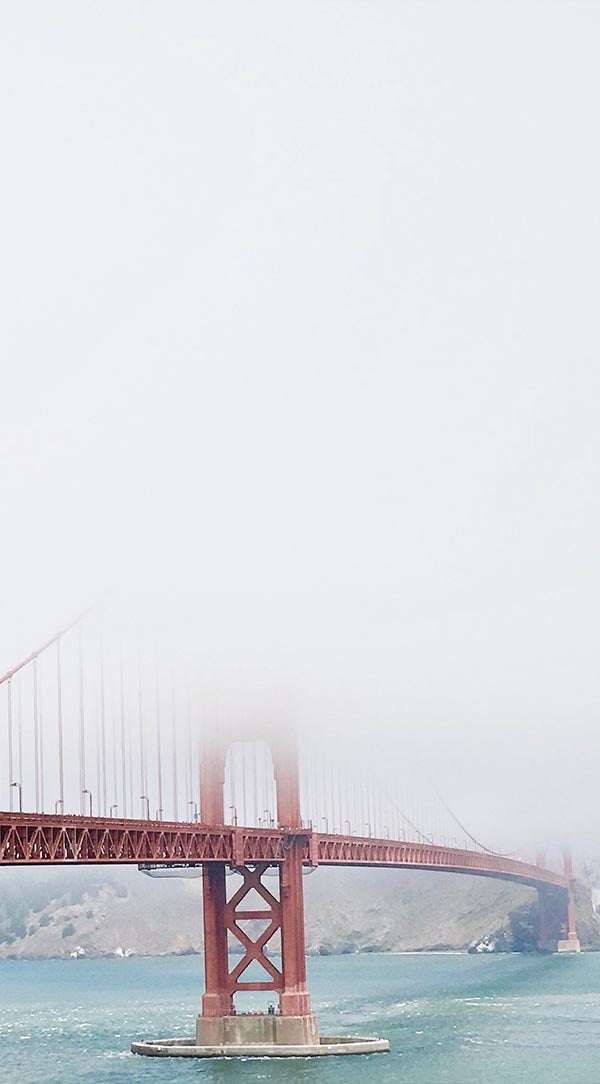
<point x="450" y="1019"/>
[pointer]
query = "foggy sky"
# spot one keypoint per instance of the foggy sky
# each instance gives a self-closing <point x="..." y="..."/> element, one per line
<point x="300" y="324"/>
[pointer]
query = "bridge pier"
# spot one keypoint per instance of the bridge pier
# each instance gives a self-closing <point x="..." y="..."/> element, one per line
<point x="219" y="1024"/>
<point x="570" y="943"/>
<point x="557" y="928"/>
<point x="292" y="1030"/>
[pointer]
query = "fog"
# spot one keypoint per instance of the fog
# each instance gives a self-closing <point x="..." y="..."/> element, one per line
<point x="299" y="355"/>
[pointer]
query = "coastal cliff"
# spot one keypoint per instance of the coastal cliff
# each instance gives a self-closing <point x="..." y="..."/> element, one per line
<point x="95" y="912"/>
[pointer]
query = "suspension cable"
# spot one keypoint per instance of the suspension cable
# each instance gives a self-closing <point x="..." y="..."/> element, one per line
<point x="498" y="854"/>
<point x="34" y="654"/>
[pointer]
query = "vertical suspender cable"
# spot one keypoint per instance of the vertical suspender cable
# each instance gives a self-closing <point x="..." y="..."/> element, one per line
<point x="20" y="733"/>
<point x="174" y="750"/>
<point x="374" y="816"/>
<point x="103" y="728"/>
<point x="314" y="804"/>
<point x="200" y="739"/>
<point x="304" y="786"/>
<point x="255" y="783"/>
<point x="143" y="788"/>
<point x="199" y="770"/>
<point x="232" y="786"/>
<point x="59" y="724"/>
<point x="115" y="773"/>
<point x="314" y="816"/>
<point x="41" y="734"/>
<point x="190" y="785"/>
<point x="316" y="799"/>
<point x="122" y="721"/>
<point x="266" y="797"/>
<point x="81" y="728"/>
<point x="98" y="762"/>
<point x="36" y="738"/>
<point x="244" y="756"/>
<point x="158" y="748"/>
<point x="10" y="744"/>
<point x="131" y="788"/>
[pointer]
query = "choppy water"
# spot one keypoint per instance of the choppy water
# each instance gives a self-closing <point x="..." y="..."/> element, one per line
<point x="450" y="1019"/>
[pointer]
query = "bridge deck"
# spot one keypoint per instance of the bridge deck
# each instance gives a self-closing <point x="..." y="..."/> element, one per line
<point x="45" y="839"/>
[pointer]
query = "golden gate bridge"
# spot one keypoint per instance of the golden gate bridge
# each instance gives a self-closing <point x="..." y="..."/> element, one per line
<point x="113" y="758"/>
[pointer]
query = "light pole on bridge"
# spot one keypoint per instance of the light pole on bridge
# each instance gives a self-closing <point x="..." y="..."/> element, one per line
<point x="144" y="798"/>
<point x="20" y="795"/>
<point x="87" y="791"/>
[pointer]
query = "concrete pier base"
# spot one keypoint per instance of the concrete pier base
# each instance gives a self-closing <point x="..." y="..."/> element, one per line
<point x="258" y="1035"/>
<point x="570" y="945"/>
<point x="326" y="1047"/>
<point x="265" y="1029"/>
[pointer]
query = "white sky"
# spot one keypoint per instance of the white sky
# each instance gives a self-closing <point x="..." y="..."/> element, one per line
<point x="300" y="309"/>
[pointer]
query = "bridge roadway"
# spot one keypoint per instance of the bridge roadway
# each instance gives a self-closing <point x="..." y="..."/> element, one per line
<point x="46" y="839"/>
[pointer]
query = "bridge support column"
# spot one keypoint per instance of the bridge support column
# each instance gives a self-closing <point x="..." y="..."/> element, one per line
<point x="217" y="1000"/>
<point x="551" y="910"/>
<point x="294" y="999"/>
<point x="569" y="943"/>
<point x="292" y="1031"/>
<point x="219" y="1024"/>
<point x="557" y="929"/>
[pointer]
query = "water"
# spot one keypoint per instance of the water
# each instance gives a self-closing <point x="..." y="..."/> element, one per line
<point x="450" y="1019"/>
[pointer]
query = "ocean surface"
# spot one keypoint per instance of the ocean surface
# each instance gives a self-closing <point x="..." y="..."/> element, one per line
<point x="451" y="1019"/>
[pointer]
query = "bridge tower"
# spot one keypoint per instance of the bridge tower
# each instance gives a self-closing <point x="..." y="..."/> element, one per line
<point x="557" y="929"/>
<point x="279" y="911"/>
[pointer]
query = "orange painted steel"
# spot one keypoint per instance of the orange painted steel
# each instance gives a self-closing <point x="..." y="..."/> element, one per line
<point x="335" y="850"/>
<point x="48" y="839"/>
<point x="283" y="915"/>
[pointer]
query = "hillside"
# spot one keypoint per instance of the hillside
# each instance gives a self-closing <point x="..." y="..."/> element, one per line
<point x="105" y="912"/>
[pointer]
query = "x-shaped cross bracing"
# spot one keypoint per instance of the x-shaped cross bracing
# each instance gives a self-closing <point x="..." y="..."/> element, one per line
<point x="254" y="949"/>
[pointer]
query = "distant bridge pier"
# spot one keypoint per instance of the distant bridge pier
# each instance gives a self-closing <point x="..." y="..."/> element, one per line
<point x="571" y="942"/>
<point x="557" y="927"/>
